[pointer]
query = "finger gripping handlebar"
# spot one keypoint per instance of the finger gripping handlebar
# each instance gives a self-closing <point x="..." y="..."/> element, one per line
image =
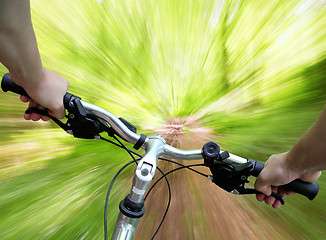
<point x="310" y="190"/>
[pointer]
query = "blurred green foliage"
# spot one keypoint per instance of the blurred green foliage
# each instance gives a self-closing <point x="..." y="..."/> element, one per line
<point x="253" y="72"/>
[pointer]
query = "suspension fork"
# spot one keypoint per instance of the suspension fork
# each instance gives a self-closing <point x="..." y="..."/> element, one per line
<point x="132" y="207"/>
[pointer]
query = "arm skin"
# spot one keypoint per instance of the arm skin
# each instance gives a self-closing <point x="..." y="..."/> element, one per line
<point x="19" y="54"/>
<point x="305" y="160"/>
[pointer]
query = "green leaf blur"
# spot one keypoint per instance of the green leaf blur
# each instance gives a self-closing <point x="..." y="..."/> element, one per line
<point x="253" y="71"/>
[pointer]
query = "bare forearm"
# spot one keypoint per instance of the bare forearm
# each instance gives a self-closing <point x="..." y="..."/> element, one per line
<point x="19" y="52"/>
<point x="305" y="161"/>
<point x="309" y="153"/>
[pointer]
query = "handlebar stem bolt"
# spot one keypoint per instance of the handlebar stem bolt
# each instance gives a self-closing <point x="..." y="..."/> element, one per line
<point x="144" y="172"/>
<point x="243" y="177"/>
<point x="72" y="116"/>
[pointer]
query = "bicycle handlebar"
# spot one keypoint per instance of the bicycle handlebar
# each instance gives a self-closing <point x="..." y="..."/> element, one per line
<point x="230" y="172"/>
<point x="310" y="190"/>
<point x="8" y="84"/>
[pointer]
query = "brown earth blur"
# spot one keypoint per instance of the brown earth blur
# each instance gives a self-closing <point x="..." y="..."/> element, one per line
<point x="199" y="209"/>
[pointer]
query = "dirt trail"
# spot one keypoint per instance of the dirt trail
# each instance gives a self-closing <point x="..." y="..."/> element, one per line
<point x="199" y="209"/>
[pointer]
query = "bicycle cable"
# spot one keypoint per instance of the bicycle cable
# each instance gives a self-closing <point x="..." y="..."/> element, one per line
<point x="179" y="168"/>
<point x="107" y="198"/>
<point x="160" y="158"/>
<point x="113" y="180"/>
<point x="185" y="166"/>
<point x="130" y="152"/>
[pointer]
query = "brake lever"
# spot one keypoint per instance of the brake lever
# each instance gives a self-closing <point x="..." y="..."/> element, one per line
<point x="232" y="180"/>
<point x="78" y="124"/>
<point x="46" y="113"/>
<point x="242" y="190"/>
<point x="228" y="177"/>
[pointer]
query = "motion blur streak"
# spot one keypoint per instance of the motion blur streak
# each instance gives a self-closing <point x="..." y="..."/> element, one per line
<point x="247" y="74"/>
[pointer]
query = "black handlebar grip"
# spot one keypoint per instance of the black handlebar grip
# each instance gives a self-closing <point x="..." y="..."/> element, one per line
<point x="8" y="84"/>
<point x="310" y="190"/>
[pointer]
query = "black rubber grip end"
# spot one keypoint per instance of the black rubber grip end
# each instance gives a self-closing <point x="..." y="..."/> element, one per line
<point x="7" y="84"/>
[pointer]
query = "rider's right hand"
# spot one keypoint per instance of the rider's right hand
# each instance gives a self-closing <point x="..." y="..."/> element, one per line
<point x="279" y="171"/>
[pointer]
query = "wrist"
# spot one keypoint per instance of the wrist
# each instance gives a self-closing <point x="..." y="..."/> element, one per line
<point x="299" y="162"/>
<point x="28" y="78"/>
<point x="36" y="85"/>
<point x="295" y="162"/>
